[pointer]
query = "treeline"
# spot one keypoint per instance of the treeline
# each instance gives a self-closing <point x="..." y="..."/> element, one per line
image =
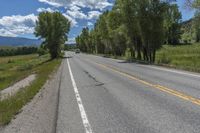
<point x="138" y="27"/>
<point x="191" y="29"/>
<point x="18" y="51"/>
<point x="70" y="46"/>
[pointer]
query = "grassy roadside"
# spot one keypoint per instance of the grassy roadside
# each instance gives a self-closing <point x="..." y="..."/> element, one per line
<point x="184" y="57"/>
<point x="10" y="107"/>
<point x="15" y="68"/>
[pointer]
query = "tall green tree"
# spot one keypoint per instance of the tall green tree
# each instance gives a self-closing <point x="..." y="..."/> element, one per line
<point x="193" y="3"/>
<point x="129" y="11"/>
<point x="117" y="32"/>
<point x="172" y="24"/>
<point x="131" y="28"/>
<point x="196" y="24"/>
<point x="53" y="28"/>
<point x="152" y="27"/>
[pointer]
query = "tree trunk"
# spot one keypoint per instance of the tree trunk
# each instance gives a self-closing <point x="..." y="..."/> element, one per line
<point x="154" y="56"/>
<point x="132" y="52"/>
<point x="138" y="41"/>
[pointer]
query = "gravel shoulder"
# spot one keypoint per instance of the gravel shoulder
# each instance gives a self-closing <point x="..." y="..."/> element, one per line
<point x="40" y="115"/>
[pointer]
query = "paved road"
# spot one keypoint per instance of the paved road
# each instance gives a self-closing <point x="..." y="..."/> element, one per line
<point x="101" y="95"/>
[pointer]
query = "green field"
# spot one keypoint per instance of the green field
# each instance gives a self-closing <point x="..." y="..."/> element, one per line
<point x="186" y="57"/>
<point x="15" y="68"/>
<point x="6" y="47"/>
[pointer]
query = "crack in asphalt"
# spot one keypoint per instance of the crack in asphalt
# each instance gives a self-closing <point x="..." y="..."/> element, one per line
<point x="97" y="83"/>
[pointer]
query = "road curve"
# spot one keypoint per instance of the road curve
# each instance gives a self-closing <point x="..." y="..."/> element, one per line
<point x="102" y="95"/>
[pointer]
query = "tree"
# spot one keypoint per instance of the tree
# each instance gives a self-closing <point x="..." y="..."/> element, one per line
<point x="83" y="40"/>
<point x="117" y="32"/>
<point x="103" y="31"/>
<point x="172" y="24"/>
<point x="152" y="27"/>
<point x="129" y="11"/>
<point x="53" y="28"/>
<point x="193" y="3"/>
<point x="132" y="27"/>
<point x="196" y="24"/>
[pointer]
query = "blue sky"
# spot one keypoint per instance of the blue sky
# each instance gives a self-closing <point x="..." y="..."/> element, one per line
<point x="17" y="17"/>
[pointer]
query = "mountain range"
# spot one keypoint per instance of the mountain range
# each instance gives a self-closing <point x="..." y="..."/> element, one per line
<point x="18" y="41"/>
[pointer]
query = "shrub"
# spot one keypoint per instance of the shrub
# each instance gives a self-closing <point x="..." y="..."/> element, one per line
<point x="164" y="59"/>
<point x="41" y="51"/>
<point x="128" y="54"/>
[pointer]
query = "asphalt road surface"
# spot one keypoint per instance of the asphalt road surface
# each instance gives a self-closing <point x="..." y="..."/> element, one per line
<point x="102" y="95"/>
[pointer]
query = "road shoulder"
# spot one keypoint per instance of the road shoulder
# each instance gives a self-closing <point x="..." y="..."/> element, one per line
<point x="40" y="114"/>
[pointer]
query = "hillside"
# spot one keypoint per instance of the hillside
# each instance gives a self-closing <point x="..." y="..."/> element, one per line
<point x="18" y="41"/>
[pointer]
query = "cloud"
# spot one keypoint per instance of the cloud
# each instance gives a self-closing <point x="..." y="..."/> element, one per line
<point x="71" y="41"/>
<point x="75" y="12"/>
<point x="17" y="24"/>
<point x="46" y="10"/>
<point x="4" y="32"/>
<point x="51" y="2"/>
<point x="93" y="4"/>
<point x="90" y="24"/>
<point x="93" y="14"/>
<point x="72" y="20"/>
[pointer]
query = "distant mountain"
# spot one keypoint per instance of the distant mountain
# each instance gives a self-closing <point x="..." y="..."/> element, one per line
<point x="18" y="41"/>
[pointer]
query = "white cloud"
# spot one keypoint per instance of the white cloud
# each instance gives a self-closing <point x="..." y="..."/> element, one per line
<point x="51" y="2"/>
<point x="93" y="14"/>
<point x="75" y="8"/>
<point x="90" y="24"/>
<point x="93" y="4"/>
<point x="46" y="10"/>
<point x="72" y="20"/>
<point x="4" y="32"/>
<point x="76" y="12"/>
<point x="17" y="24"/>
<point x="71" y="41"/>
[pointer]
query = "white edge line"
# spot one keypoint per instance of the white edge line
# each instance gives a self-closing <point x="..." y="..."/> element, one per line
<point x="85" y="120"/>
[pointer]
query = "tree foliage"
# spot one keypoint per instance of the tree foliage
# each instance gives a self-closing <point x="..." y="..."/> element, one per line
<point x="137" y="26"/>
<point x="193" y="3"/>
<point x="172" y="24"/>
<point x="18" y="51"/>
<point x="53" y="28"/>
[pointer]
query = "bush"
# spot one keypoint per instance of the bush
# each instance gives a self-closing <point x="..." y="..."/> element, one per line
<point x="128" y="54"/>
<point x="11" y="61"/>
<point x="41" y="51"/>
<point x="18" y="51"/>
<point x="164" y="59"/>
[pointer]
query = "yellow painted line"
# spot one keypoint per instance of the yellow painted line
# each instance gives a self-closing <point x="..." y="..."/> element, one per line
<point x="158" y="87"/>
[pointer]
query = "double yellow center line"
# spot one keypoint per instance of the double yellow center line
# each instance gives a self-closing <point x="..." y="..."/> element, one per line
<point x="156" y="86"/>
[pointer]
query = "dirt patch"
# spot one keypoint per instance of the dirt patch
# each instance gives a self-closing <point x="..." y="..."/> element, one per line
<point x="12" y="90"/>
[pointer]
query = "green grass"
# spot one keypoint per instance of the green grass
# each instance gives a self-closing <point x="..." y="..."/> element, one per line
<point x="15" y="68"/>
<point x="185" y="57"/>
<point x="10" y="107"/>
<point x="6" y="47"/>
